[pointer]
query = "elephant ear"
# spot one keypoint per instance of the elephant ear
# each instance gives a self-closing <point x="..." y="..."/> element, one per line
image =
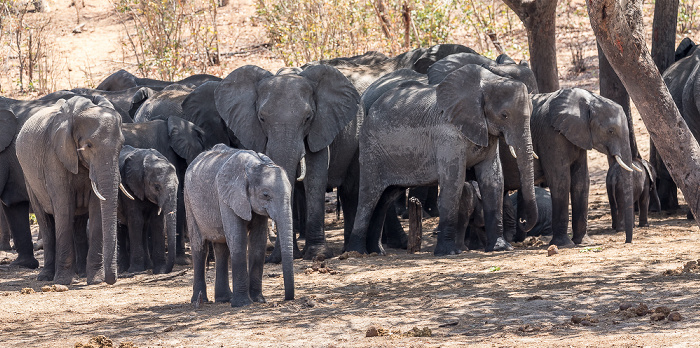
<point x="235" y="99"/>
<point x="460" y="98"/>
<point x="8" y="124"/>
<point x="650" y="171"/>
<point x="337" y="102"/>
<point x="131" y="170"/>
<point x="570" y="113"/>
<point x="102" y="101"/>
<point x="141" y="95"/>
<point x="232" y="184"/>
<point x="504" y="59"/>
<point x="186" y="139"/>
<point x="438" y="71"/>
<point x="475" y="185"/>
<point x="62" y="139"/>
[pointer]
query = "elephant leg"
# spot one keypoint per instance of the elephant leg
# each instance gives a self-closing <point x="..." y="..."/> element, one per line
<point x="65" y="247"/>
<point x="81" y="244"/>
<point x="123" y="248"/>
<point x="559" y="189"/>
<point x="580" y="183"/>
<point x="18" y="218"/>
<point x="47" y="229"/>
<point x="236" y="231"/>
<point x="299" y="211"/>
<point x="315" y="189"/>
<point x="199" y="250"/>
<point x="256" y="256"/>
<point x="348" y="200"/>
<point x="378" y="220"/>
<point x="610" y="188"/>
<point x="158" y="238"/>
<point x="369" y="195"/>
<point x="137" y="242"/>
<point x="4" y="232"/>
<point x="490" y="178"/>
<point x="643" y="203"/>
<point x="400" y="205"/>
<point x="181" y="227"/>
<point x="431" y="201"/>
<point x="394" y="235"/>
<point x="222" y="289"/>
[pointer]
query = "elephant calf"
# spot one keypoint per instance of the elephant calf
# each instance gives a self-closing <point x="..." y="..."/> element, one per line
<point x="643" y="189"/>
<point x="152" y="181"/>
<point x="229" y="194"/>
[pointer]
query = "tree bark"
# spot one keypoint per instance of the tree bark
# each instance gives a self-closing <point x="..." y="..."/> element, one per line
<point x="415" y="225"/>
<point x="539" y="19"/>
<point x="619" y="30"/>
<point x="663" y="41"/>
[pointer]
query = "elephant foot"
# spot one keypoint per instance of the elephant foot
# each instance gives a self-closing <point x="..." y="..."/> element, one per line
<point x="161" y="269"/>
<point x="183" y="260"/>
<point x="26" y="262"/>
<point x="376" y="249"/>
<point x="445" y="247"/>
<point x="259" y="298"/>
<point x="134" y="268"/>
<point x="398" y="243"/>
<point x="312" y="252"/>
<point x="241" y="301"/>
<point x="646" y="224"/>
<point x="500" y="245"/>
<point x="222" y="298"/>
<point x="45" y="275"/>
<point x="64" y="279"/>
<point x="5" y="246"/>
<point x="562" y="241"/>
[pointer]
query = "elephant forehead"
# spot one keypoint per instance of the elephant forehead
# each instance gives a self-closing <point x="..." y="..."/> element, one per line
<point x="285" y="91"/>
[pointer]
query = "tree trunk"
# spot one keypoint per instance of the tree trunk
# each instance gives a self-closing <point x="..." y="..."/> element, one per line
<point x="620" y="33"/>
<point x="663" y="40"/>
<point x="539" y="19"/>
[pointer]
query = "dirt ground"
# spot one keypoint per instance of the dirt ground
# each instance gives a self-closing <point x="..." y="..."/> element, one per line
<point x="501" y="299"/>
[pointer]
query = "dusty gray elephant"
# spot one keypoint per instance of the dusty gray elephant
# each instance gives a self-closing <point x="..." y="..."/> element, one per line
<point x="125" y="101"/>
<point x="294" y="119"/>
<point x="643" y="188"/>
<point x="123" y="79"/>
<point x="229" y="195"/>
<point x="431" y="134"/>
<point x="70" y="156"/>
<point x="566" y="124"/>
<point x="151" y="211"/>
<point x="163" y="104"/>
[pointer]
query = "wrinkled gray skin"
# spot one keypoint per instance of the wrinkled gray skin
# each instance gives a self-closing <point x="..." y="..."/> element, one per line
<point x="163" y="104"/>
<point x="471" y="213"/>
<point x="151" y="180"/>
<point x="544" y="216"/>
<point x="419" y="134"/>
<point x="180" y="142"/>
<point x="63" y="149"/>
<point x="199" y="107"/>
<point x="13" y="191"/>
<point x="565" y="125"/>
<point x="125" y="101"/>
<point x="643" y="187"/>
<point x="229" y="194"/>
<point x="123" y="79"/>
<point x="293" y="116"/>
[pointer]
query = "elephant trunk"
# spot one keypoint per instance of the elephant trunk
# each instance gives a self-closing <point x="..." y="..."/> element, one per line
<point x="527" y="209"/>
<point x="107" y="181"/>
<point x="169" y="208"/>
<point x="284" y="232"/>
<point x="288" y="152"/>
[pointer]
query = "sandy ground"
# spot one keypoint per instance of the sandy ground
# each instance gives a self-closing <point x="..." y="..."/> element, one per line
<point x="501" y="299"/>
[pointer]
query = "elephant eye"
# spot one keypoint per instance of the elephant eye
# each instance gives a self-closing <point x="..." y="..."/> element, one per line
<point x="504" y="115"/>
<point x="266" y="195"/>
<point x="156" y="187"/>
<point x="611" y="131"/>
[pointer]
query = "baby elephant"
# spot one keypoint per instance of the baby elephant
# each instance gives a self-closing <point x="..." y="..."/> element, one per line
<point x="229" y="194"/>
<point x="152" y="207"/>
<point x="644" y="188"/>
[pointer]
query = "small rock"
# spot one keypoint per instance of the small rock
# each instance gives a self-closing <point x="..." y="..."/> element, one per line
<point x="27" y="291"/>
<point x="58" y="288"/>
<point x="626" y="305"/>
<point x="674" y="316"/>
<point x="641" y="310"/>
<point x="46" y="288"/>
<point x="552" y="250"/>
<point x="657" y="316"/>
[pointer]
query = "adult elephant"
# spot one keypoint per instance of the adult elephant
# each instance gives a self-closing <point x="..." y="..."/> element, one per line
<point x="151" y="212"/>
<point x="419" y="134"/>
<point x="69" y="153"/>
<point x="13" y="191"/>
<point x="683" y="82"/>
<point x="125" y="101"/>
<point x="180" y="142"/>
<point x="123" y="79"/>
<point x="163" y="104"/>
<point x="565" y="125"/>
<point x="293" y="118"/>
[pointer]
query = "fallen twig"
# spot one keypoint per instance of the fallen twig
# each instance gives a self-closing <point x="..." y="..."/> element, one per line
<point x="165" y="277"/>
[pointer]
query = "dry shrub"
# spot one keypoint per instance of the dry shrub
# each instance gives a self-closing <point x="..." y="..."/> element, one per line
<point x="170" y="39"/>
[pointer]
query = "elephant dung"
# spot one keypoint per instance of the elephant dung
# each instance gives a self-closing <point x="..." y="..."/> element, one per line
<point x="552" y="250"/>
<point x="54" y="288"/>
<point x="674" y="316"/>
<point x="376" y="331"/>
<point x="27" y="291"/>
<point x="657" y="317"/>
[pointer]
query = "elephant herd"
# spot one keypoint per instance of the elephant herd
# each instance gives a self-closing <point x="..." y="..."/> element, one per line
<point x="120" y="176"/>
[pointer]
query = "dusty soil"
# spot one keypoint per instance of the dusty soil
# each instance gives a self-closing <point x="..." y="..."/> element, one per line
<point x="517" y="298"/>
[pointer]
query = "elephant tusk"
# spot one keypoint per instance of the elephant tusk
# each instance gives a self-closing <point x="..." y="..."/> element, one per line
<point x="512" y="151"/>
<point x="634" y="166"/>
<point x="126" y="193"/>
<point x="159" y="211"/>
<point x="329" y="157"/>
<point x="622" y="164"/>
<point x="534" y="155"/>
<point x="303" y="169"/>
<point x="97" y="193"/>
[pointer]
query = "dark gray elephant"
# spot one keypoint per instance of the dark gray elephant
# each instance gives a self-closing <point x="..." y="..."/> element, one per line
<point x="13" y="191"/>
<point x="565" y="125"/>
<point x="70" y="156"/>
<point x="199" y="107"/>
<point x="418" y="134"/>
<point x="511" y="230"/>
<point x="163" y="104"/>
<point x="125" y="101"/>
<point x="180" y="142"/>
<point x="643" y="188"/>
<point x="294" y="119"/>
<point x="123" y="79"/>
<point x="151" y="211"/>
<point x="229" y="195"/>
<point x="471" y="214"/>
